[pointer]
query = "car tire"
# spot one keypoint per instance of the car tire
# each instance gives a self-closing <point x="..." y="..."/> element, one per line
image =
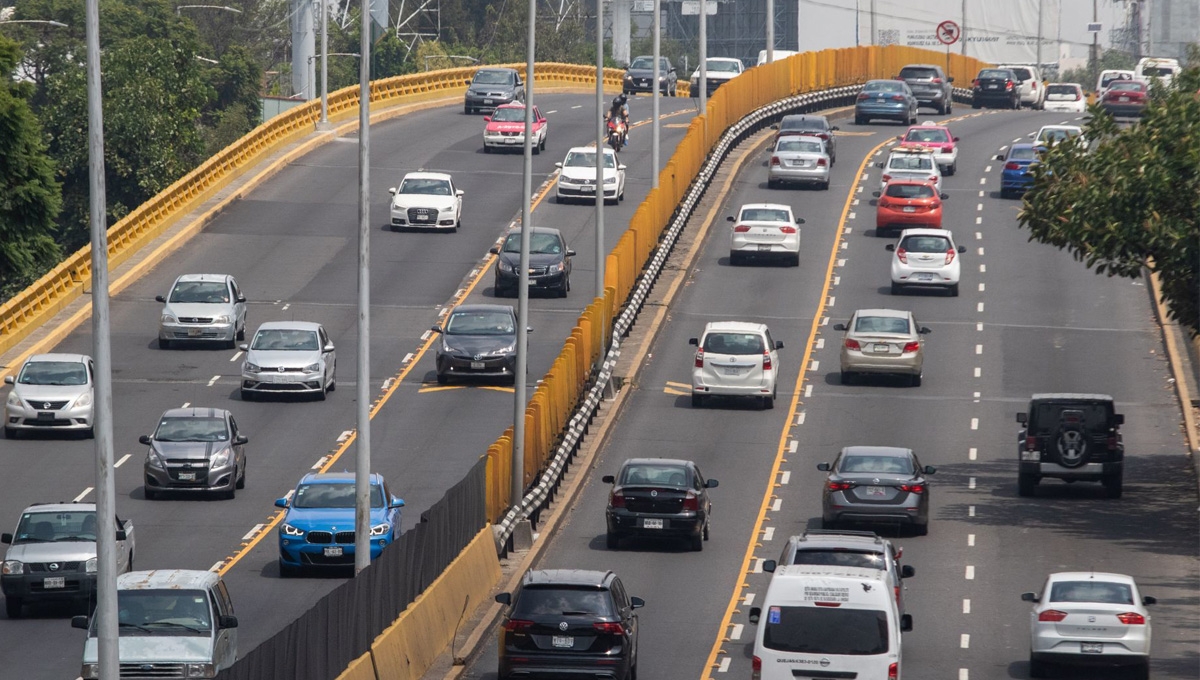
<point x="1038" y="669"/>
<point x="612" y="541"/>
<point x="772" y="184"/>
<point x="794" y="260"/>
<point x="697" y="542"/>
<point x="768" y="403"/>
<point x="163" y="343"/>
<point x="241" y="482"/>
<point x="1141" y="671"/>
<point x="321" y="394"/>
<point x="1026" y="485"/>
<point x="825" y="185"/>
<point x="847" y="378"/>
<point x="564" y="288"/>
<point x="921" y="529"/>
<point x="537" y="149"/>
<point x="12" y="606"/>
<point x="1113" y="485"/>
<point x="150" y="494"/>
<point x="241" y="334"/>
<point x="230" y="493"/>
<point x="443" y="379"/>
<point x="11" y="433"/>
<point x="697" y="400"/>
<point x="90" y="433"/>
<point x="706" y="532"/>
<point x="542" y="144"/>
<point x="952" y="169"/>
<point x="487" y="149"/>
<point x="468" y="110"/>
<point x="231" y="344"/>
<point x="896" y="288"/>
<point x="914" y="381"/>
<point x="976" y="105"/>
<point x="954" y="290"/>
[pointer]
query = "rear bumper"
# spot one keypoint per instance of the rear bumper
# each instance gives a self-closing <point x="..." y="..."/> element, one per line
<point x="897" y="111"/>
<point x="993" y="97"/>
<point x="518" y="664"/>
<point x="1087" y="472"/>
<point x="732" y="390"/>
<point x="628" y="523"/>
<point x="224" y="332"/>
<point x="1123" y="110"/>
<point x="789" y="174"/>
<point x="859" y="362"/>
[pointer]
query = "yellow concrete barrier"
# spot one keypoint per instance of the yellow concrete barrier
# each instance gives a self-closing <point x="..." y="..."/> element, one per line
<point x="362" y="668"/>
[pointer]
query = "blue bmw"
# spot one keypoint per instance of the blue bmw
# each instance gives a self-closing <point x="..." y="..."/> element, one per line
<point x="318" y="528"/>
<point x="1016" y="177"/>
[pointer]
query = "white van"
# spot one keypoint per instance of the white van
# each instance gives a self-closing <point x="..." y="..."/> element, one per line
<point x="828" y="622"/>
<point x="1161" y="68"/>
<point x="779" y="55"/>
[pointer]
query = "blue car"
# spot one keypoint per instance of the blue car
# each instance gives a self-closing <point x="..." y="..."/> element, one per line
<point x="1016" y="177"/>
<point x="890" y="99"/>
<point x="318" y="529"/>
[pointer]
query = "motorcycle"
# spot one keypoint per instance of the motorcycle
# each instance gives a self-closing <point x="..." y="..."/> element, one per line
<point x="616" y="134"/>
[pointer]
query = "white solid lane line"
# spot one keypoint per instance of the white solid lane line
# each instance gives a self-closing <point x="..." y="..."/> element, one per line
<point x="236" y="355"/>
<point x="82" y="495"/>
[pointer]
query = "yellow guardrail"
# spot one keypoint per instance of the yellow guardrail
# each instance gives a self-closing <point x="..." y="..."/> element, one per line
<point x="32" y="307"/>
<point x="556" y="395"/>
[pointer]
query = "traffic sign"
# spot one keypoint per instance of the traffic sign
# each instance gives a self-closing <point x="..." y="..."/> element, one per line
<point x="948" y="32"/>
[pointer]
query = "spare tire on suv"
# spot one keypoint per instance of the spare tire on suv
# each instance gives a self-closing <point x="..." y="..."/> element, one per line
<point x="1073" y="437"/>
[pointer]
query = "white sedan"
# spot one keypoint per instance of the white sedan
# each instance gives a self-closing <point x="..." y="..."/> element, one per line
<point x="577" y="176"/>
<point x="911" y="163"/>
<point x="426" y="200"/>
<point x="926" y="258"/>
<point x="1089" y="619"/>
<point x="765" y="230"/>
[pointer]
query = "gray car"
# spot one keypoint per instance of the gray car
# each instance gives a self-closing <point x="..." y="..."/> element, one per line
<point x="477" y="341"/>
<point x="51" y="393"/>
<point x="195" y="450"/>
<point x="882" y="341"/>
<point x="52" y="555"/>
<point x="202" y="308"/>
<point x="809" y="125"/>
<point x="492" y="87"/>
<point x="879" y="484"/>
<point x="930" y="85"/>
<point x="294" y="357"/>
<point x="640" y="73"/>
<point x="838" y="549"/>
<point x="800" y="159"/>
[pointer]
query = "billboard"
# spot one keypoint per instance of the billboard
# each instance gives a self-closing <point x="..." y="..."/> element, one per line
<point x="997" y="32"/>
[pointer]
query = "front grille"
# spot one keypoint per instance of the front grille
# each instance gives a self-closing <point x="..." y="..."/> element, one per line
<point x="195" y="319"/>
<point x="147" y="671"/>
<point x="320" y="537"/>
<point x="422" y="215"/>
<point x="63" y="567"/>
<point x="201" y="476"/>
<point x="206" y="335"/>
<point x="57" y="422"/>
<point x="188" y="463"/>
<point x="346" y="537"/>
<point x="539" y="271"/>
<point x="511" y="134"/>
<point x="662" y="507"/>
<point x="47" y="405"/>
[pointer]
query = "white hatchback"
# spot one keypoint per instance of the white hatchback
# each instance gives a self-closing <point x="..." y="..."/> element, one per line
<point x="1065" y="98"/>
<point x="925" y="258"/>
<point x="737" y="359"/>
<point x="765" y="230"/>
<point x="908" y="163"/>
<point x="1089" y="618"/>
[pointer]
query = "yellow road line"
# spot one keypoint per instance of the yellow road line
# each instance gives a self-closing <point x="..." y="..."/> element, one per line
<point x="439" y="388"/>
<point x="789" y="422"/>
<point x="678" y="393"/>
<point x="685" y="386"/>
<point x="497" y="388"/>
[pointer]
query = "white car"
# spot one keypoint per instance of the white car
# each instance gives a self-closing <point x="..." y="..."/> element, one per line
<point x="577" y="176"/>
<point x="1089" y="618"/>
<point x="1029" y="84"/>
<point x="1065" y="98"/>
<point x="1163" y="69"/>
<point x="1052" y="134"/>
<point x="51" y="393"/>
<point x="764" y="230"/>
<point x="204" y="308"/>
<point x="737" y="359"/>
<point x="289" y="357"/>
<point x="426" y="200"/>
<point x="911" y="163"/>
<point x="925" y="258"/>
<point x="1109" y="77"/>
<point x="718" y="71"/>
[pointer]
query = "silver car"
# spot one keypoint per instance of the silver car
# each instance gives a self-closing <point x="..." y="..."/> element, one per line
<point x="52" y="392"/>
<point x="204" y="308"/>
<point x="52" y="555"/>
<point x="884" y="484"/>
<point x="882" y="341"/>
<point x="289" y="357"/>
<point x="195" y="450"/>
<point x="799" y="159"/>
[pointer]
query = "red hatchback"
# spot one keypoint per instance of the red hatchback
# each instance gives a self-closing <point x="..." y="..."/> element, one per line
<point x="906" y="204"/>
<point x="1125" y="98"/>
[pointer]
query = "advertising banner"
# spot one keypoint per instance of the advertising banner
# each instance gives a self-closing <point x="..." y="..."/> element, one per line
<point x="997" y="32"/>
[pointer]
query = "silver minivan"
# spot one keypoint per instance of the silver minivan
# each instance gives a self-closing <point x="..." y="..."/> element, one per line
<point x="175" y="623"/>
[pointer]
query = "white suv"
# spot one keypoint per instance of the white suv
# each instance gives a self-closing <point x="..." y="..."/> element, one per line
<point x="1033" y="92"/>
<point x="926" y="258"/>
<point x="737" y="359"/>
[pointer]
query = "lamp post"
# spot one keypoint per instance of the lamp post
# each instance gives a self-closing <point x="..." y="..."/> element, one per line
<point x="34" y="21"/>
<point x="223" y="8"/>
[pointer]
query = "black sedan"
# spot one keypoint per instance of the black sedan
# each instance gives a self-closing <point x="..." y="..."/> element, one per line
<point x="879" y="484"/>
<point x="478" y="341"/>
<point x="659" y="497"/>
<point x="549" y="262"/>
<point x="996" y="86"/>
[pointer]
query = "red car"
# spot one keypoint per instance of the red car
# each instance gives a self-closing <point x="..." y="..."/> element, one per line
<point x="906" y="204"/>
<point x="505" y="128"/>
<point x="1125" y="98"/>
<point x="936" y="138"/>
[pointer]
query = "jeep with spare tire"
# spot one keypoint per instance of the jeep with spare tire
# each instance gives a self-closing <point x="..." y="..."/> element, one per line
<point x="1072" y="437"/>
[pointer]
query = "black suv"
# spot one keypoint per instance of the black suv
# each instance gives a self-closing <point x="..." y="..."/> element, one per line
<point x="1073" y="437"/>
<point x="569" y="622"/>
<point x="930" y="85"/>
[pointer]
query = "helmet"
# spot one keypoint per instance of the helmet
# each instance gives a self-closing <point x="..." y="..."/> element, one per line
<point x="619" y="100"/>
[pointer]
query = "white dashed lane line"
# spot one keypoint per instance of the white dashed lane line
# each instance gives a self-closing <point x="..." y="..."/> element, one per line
<point x="974" y="423"/>
<point x="776" y="504"/>
<point x="83" y="495"/>
<point x="970" y="572"/>
<point x="966" y="606"/>
<point x="785" y="476"/>
<point x="973" y="453"/>
<point x="214" y="380"/>
<point x="123" y="459"/>
<point x="970" y="540"/>
<point x="236" y="355"/>
<point x="965" y="641"/>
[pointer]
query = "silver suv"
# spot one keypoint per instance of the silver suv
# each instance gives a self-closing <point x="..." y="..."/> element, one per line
<point x="847" y="549"/>
<point x="52" y="555"/>
<point x="930" y="85"/>
<point x="205" y="308"/>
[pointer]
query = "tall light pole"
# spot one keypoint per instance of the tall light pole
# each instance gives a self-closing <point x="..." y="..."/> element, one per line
<point x="323" y="124"/>
<point x="1095" y="55"/>
<point x="770" y="31"/>
<point x="703" y="82"/>
<point x="600" y="259"/>
<point x="519" y="397"/>
<point x="654" y="126"/>
<point x="223" y="8"/>
<point x="800" y="27"/>
<point x="362" y="444"/>
<point x="874" y="33"/>
<point x="1041" y="6"/>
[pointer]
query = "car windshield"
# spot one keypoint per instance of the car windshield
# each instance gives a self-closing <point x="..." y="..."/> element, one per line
<point x="211" y="292"/>
<point x="934" y="135"/>
<point x="993" y="73"/>
<point x="723" y="65"/>
<point x="1127" y="85"/>
<point x="840" y="557"/>
<point x="162" y="612"/>
<point x="492" y="78"/>
<point x="910" y="162"/>
<point x="857" y="462"/>
<point x="826" y="630"/>
<point x="515" y="114"/>
<point x="912" y="72"/>
<point x="798" y="146"/>
<point x="53" y="373"/>
<point x="905" y="190"/>
<point x="652" y="474"/>
<point x="1061" y="91"/>
<point x="765" y="215"/>
<point x="189" y="429"/>
<point x="497" y="322"/>
<point x="428" y="187"/>
<point x="556" y="600"/>
<point x="1057" y="135"/>
<point x="1158" y="71"/>
<point x="540" y="243"/>
<point x="587" y="159"/>
<point x="333" y="495"/>
<point x="285" y="339"/>
<point x="925" y="244"/>
<point x="734" y="343"/>
<point x="883" y="86"/>
<point x="1091" y="591"/>
<point x="1024" y="153"/>
<point x="881" y="324"/>
<point x="647" y="63"/>
<point x="51" y="527"/>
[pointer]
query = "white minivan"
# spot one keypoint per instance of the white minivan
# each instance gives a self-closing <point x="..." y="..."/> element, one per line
<point x="828" y="622"/>
<point x="1163" y="69"/>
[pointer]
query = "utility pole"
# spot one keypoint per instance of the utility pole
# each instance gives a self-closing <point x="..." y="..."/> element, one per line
<point x="703" y="56"/>
<point x="962" y="31"/>
<point x="1041" y="6"/>
<point x="874" y="33"/>
<point x="800" y="26"/>
<point x="770" y="31"/>
<point x="362" y="442"/>
<point x="1095" y="54"/>
<point x="654" y="103"/>
<point x="324" y="123"/>
<point x="519" y="398"/>
<point x="600" y="260"/>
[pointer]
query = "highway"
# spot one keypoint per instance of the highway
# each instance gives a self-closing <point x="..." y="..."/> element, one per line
<point x="1029" y="319"/>
<point x="292" y="247"/>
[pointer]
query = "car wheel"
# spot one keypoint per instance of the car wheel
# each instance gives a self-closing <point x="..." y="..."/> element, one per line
<point x="896" y="288"/>
<point x="231" y="344"/>
<point x="564" y="288"/>
<point x="914" y="381"/>
<point x="847" y="378"/>
<point x="468" y="110"/>
<point x="735" y="258"/>
<point x="706" y="530"/>
<point x="825" y="185"/>
<point x="90" y="433"/>
<point x="163" y="343"/>
<point x="11" y="433"/>
<point x="612" y="541"/>
<point x="542" y="144"/>
<point x="230" y="493"/>
<point x="921" y="529"/>
<point x="952" y="169"/>
<point x="772" y="184"/>
<point x="768" y="403"/>
<point x="1038" y="669"/>
<point x="1026" y="485"/>
<point x="976" y="105"/>
<point x="633" y="671"/>
<point x="12" y="606"/>
<point x="954" y="290"/>
<point x="537" y="149"/>
<point x="241" y="482"/>
<point x="443" y="379"/>
<point x="150" y="494"/>
<point x="487" y="149"/>
<point x="1141" y="671"/>
<point x="1112" y="485"/>
<point x="794" y="260"/>
<point x="697" y="543"/>
<point x="697" y="400"/>
<point x="1005" y="193"/>
<point x="241" y="334"/>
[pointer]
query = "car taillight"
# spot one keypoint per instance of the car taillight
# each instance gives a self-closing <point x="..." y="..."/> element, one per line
<point x="933" y="178"/>
<point x="897" y="590"/>
<point x="1008" y="84"/>
<point x="912" y="488"/>
<point x="840" y="486"/>
<point x="741" y="229"/>
<point x="852" y="344"/>
<point x="823" y="135"/>
<point x="1131" y="619"/>
<point x="949" y="255"/>
<point x="975" y="83"/>
<point x="902" y="255"/>
<point x="912" y="346"/>
<point x="766" y="360"/>
<point x="886" y="178"/>
<point x="893" y="671"/>
<point x="1078" y="96"/>
<point x="897" y="97"/>
<point x="863" y="96"/>
<point x="820" y="162"/>
<point x="699" y="358"/>
<point x="788" y="230"/>
<point x="517" y="625"/>
<point x="616" y="499"/>
<point x="1112" y="442"/>
<point x="1012" y="166"/>
<point x="775" y="160"/>
<point x="1031" y="443"/>
<point x="1052" y="616"/>
<point x="755" y="668"/>
<point x="691" y="503"/>
<point x="936" y="81"/>
<point x="610" y="627"/>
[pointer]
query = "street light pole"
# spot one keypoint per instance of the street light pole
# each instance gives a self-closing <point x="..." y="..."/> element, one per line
<point x="654" y="125"/>
<point x="34" y="21"/>
<point x="703" y="82"/>
<point x="362" y="444"/>
<point x="770" y="31"/>
<point x="519" y="396"/>
<point x="324" y="123"/>
<point x="600" y="259"/>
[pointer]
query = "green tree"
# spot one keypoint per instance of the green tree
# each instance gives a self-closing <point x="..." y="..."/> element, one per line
<point x="29" y="198"/>
<point x="236" y="109"/>
<point x="1131" y="201"/>
<point x="1110" y="60"/>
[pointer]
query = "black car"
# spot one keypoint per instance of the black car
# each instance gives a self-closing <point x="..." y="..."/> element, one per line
<point x="878" y="484"/>
<point x="492" y="87"/>
<point x="810" y="125"/>
<point x="659" y="497"/>
<point x="641" y="72"/>
<point x="477" y="341"/>
<point x="549" y="262"/>
<point x="1073" y="437"/>
<point x="930" y="85"/>
<point x="569" y="623"/>
<point x="999" y="86"/>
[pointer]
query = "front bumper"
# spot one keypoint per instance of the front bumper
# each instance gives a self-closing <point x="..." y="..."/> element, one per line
<point x="298" y="552"/>
<point x="26" y="418"/>
<point x="519" y="663"/>
<point x="433" y="219"/>
<point x="462" y="366"/>
<point x="202" y="480"/>
<point x="215" y="332"/>
<point x="503" y="141"/>
<point x="638" y="85"/>
<point x="510" y="280"/>
<point x="625" y="523"/>
<point x="270" y="381"/>
<point x="788" y="173"/>
<point x="484" y="103"/>
<point x="31" y="586"/>
<point x="584" y="191"/>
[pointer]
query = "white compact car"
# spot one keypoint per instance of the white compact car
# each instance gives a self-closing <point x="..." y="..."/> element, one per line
<point x="737" y="359"/>
<point x="1053" y="134"/>
<point x="577" y="176"/>
<point x="911" y="163"/>
<point x="426" y="200"/>
<point x="202" y="308"/>
<point x="1065" y="98"/>
<point x="925" y="258"/>
<point x="51" y="393"/>
<point x="1089" y="618"/>
<point x="765" y="230"/>
<point x="289" y="357"/>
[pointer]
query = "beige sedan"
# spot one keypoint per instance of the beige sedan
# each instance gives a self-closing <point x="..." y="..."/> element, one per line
<point x="882" y="341"/>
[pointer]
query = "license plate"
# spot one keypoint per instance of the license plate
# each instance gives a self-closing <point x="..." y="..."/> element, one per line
<point x="875" y="491"/>
<point x="562" y="641"/>
<point x="279" y="378"/>
<point x="333" y="551"/>
<point x="187" y="476"/>
<point x="800" y="164"/>
<point x="881" y="348"/>
<point x="45" y="415"/>
<point x="195" y="332"/>
<point x="487" y="101"/>
<point x="54" y="582"/>
<point x="477" y="365"/>
<point x="910" y="209"/>
<point x="510" y="140"/>
<point x="993" y="87"/>
<point x="652" y="524"/>
<point x="764" y="248"/>
<point x="1091" y="647"/>
<point x="587" y="190"/>
<point x="730" y="371"/>
<point x="1123" y="99"/>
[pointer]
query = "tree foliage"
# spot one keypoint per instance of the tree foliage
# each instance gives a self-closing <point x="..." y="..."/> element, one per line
<point x="1131" y="201"/>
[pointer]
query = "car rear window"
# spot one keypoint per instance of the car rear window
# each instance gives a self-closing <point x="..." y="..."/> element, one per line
<point x="1158" y="71"/>
<point x="803" y="123"/>
<point x="826" y="630"/>
<point x="993" y="73"/>
<point x="798" y="146"/>
<point x="1061" y="90"/>
<point x="556" y="600"/>
<point x="934" y="135"/>
<point x="925" y="244"/>
<point x="1127" y="85"/>
<point x="840" y="557"/>
<point x="895" y="190"/>
<point x="733" y="343"/>
<point x="1023" y="154"/>
<point x="910" y="162"/>
<point x="881" y="324"/>
<point x="652" y="474"/>
<point x="915" y="73"/>
<point x="1023" y="73"/>
<point x="883" y="86"/>
<point x="882" y="464"/>
<point x="1107" y="80"/>
<point x="1091" y="591"/>
<point x="765" y="215"/>
<point x="1050" y="416"/>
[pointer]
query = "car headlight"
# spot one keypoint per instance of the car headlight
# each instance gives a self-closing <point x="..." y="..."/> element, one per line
<point x="610" y="180"/>
<point x="559" y="267"/>
<point x="398" y="206"/>
<point x="224" y="318"/>
<point x="502" y="352"/>
<point x="289" y="530"/>
<point x="13" y="399"/>
<point x="221" y="459"/>
<point x="90" y="671"/>
<point x="12" y="567"/>
<point x="90" y="565"/>
<point x="199" y="670"/>
<point x="84" y="399"/>
<point x="381" y="529"/>
<point x="251" y="368"/>
<point x="152" y="460"/>
<point x="312" y="368"/>
<point x="506" y="267"/>
<point x="628" y="77"/>
<point x="167" y="318"/>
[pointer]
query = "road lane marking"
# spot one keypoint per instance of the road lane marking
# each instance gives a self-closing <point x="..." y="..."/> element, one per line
<point x="979" y="307"/>
<point x="82" y="495"/>
<point x="724" y="665"/>
<point x="800" y="418"/>
<point x="973" y="452"/>
<point x="978" y="371"/>
<point x="407" y="358"/>
<point x="962" y="674"/>
<point x="748" y="600"/>
<point x="978" y="234"/>
<point x="425" y="335"/>
<point x="832" y="300"/>
<point x="793" y="446"/>
<point x="807" y="391"/>
<point x="983" y="180"/>
<point x="970" y="482"/>
<point x="776" y="504"/>
<point x="966" y="606"/>
<point x="769" y="534"/>
<point x="345" y="435"/>
<point x="982" y="268"/>
<point x="123" y="459"/>
<point x="981" y="251"/>
<point x="186" y="404"/>
<point x="979" y="208"/>
<point x="284" y="308"/>
<point x="820" y="343"/>
<point x="250" y="534"/>
<point x="676" y="392"/>
<point x="236" y="355"/>
<point x="736" y="633"/>
<point x="814" y="365"/>
<point x="852" y="215"/>
<point x="981" y="287"/>
<point x="970" y="573"/>
<point x="979" y="349"/>
<point x="552" y="111"/>
<point x="976" y="401"/>
<point x="970" y="540"/>
<point x="974" y="423"/>
<point x="577" y="107"/>
<point x="965" y="641"/>
<point x="970" y="511"/>
<point x="757" y="569"/>
<point x="979" y="326"/>
<point x="987" y="169"/>
<point x="786" y="475"/>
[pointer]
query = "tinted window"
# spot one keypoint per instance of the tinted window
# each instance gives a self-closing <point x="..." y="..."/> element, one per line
<point x="497" y="322"/>
<point x="910" y="162"/>
<point x="285" y="339"/>
<point x="1127" y="85"/>
<point x="429" y="187"/>
<point x="840" y="558"/>
<point x="1023" y="73"/>
<point x="651" y="474"/>
<point x="539" y="242"/>
<point x="797" y="146"/>
<point x="1158" y="71"/>
<point x="53" y="373"/>
<point x="883" y="86"/>
<point x="1050" y="416"/>
<point x="190" y="429"/>
<point x="894" y="190"/>
<point x="882" y="464"/>
<point x="803" y="123"/>
<point x="509" y="115"/>
<point x="881" y="324"/>
<point x="1023" y="154"/>
<point x="925" y="244"/>
<point x="493" y="78"/>
<point x="994" y="73"/>
<point x="1091" y="591"/>
<point x="765" y="215"/>
<point x="200" y="291"/>
<point x="826" y="630"/>
<point x="733" y="343"/>
<point x="916" y="72"/>
<point x="538" y="601"/>
<point x="48" y="527"/>
<point x="339" y="495"/>
<point x="1062" y="90"/>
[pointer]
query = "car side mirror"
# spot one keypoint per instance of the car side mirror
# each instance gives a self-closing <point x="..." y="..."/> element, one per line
<point x="891" y="247"/>
<point x="241" y="299"/>
<point x="397" y="502"/>
<point x="907" y="571"/>
<point x="1148" y="599"/>
<point x="80" y="622"/>
<point x="558" y="164"/>
<point x="6" y="539"/>
<point x="943" y="196"/>
<point x="770" y="566"/>
<point x="1022" y="418"/>
<point x="900" y="137"/>
<point x="824" y="467"/>
<point x="775" y="127"/>
<point x="504" y="598"/>
<point x="799" y="220"/>
<point x="529" y="329"/>
<point x="929" y="470"/>
<point x="570" y="252"/>
<point x="957" y="139"/>
<point x="755" y="615"/>
<point x="1029" y="597"/>
<point x="244" y="347"/>
<point x="637" y="602"/>
<point x="839" y="326"/>
<point x="159" y="298"/>
<point x="495" y="250"/>
<point x="876" y="194"/>
<point x="924" y="330"/>
<point x="241" y="440"/>
<point x="487" y="119"/>
<point x="962" y="250"/>
<point x="1119" y="418"/>
<point x="835" y="128"/>
<point x="392" y="191"/>
<point x="778" y="344"/>
<point x="621" y="166"/>
<point x="711" y="484"/>
<point x="328" y="348"/>
<point x="879" y="164"/>
<point x="227" y="621"/>
<point x="694" y="341"/>
<point x="144" y="439"/>
<point x="459" y="192"/>
<point x="905" y="623"/>
<point x="951" y="80"/>
<point x="608" y="479"/>
<point x="281" y="502"/>
<point x="999" y="156"/>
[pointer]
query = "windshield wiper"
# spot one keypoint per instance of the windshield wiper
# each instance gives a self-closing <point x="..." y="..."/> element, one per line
<point x="140" y="627"/>
<point x="175" y="625"/>
<point x="73" y="538"/>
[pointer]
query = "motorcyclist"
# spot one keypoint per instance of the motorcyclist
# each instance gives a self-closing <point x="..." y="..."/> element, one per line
<point x="620" y="109"/>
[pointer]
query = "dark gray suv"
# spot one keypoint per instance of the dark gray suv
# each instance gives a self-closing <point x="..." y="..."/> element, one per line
<point x="492" y="87"/>
<point x="1073" y="437"/>
<point x="930" y="85"/>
